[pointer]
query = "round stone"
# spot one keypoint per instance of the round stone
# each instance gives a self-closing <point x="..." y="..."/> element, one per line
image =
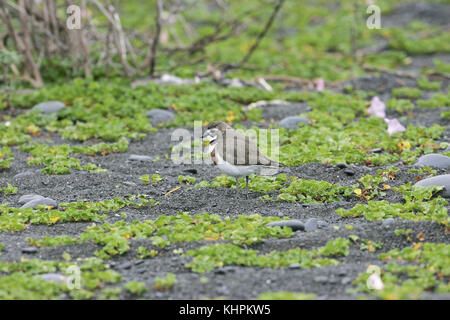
<point x="40" y="201"/>
<point x="311" y="225"/>
<point x="158" y="116"/>
<point x="349" y="172"/>
<point x="442" y="180"/>
<point x="29" y="197"/>
<point x="29" y="250"/>
<point x="49" y="107"/>
<point x="24" y="174"/>
<point x="434" y="160"/>
<point x="125" y="265"/>
<point x="341" y="165"/>
<point x="54" y="277"/>
<point x="136" y="157"/>
<point x="387" y="222"/>
<point x="291" y="123"/>
<point x="322" y="224"/>
<point x="293" y="224"/>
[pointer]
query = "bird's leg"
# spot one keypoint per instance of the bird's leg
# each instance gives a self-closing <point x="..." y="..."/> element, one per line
<point x="246" y="186"/>
<point x="237" y="182"/>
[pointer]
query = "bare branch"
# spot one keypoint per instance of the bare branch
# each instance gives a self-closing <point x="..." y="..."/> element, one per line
<point x="159" y="10"/>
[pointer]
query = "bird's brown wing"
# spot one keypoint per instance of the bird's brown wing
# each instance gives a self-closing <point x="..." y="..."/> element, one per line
<point x="238" y="149"/>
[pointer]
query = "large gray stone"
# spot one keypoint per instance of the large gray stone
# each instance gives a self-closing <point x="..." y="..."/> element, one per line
<point x="293" y="224"/>
<point x="29" y="197"/>
<point x="291" y="123"/>
<point x="40" y="201"/>
<point x="55" y="277"/>
<point x="136" y="157"/>
<point x="311" y="225"/>
<point x="24" y="174"/>
<point x="434" y="160"/>
<point x="442" y="180"/>
<point x="158" y="116"/>
<point x="49" y="107"/>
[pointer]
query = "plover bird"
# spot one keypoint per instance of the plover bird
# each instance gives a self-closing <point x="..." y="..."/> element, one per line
<point x="236" y="154"/>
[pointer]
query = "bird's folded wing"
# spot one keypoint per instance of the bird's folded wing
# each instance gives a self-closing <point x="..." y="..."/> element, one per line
<point x="238" y="149"/>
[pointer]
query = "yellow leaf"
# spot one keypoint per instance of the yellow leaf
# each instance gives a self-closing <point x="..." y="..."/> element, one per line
<point x="403" y="145"/>
<point x="230" y="116"/>
<point x="417" y="245"/>
<point x="386" y="187"/>
<point x="54" y="219"/>
<point x="357" y="191"/>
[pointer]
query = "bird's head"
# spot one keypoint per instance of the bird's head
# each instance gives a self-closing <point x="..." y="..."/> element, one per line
<point x="213" y="130"/>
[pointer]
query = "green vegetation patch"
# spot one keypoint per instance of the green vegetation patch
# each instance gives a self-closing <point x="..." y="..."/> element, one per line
<point x="419" y="204"/>
<point x="116" y="237"/>
<point x="14" y="219"/>
<point x="400" y="105"/>
<point x="438" y="100"/>
<point x="427" y="268"/>
<point x="407" y="92"/>
<point x="9" y="189"/>
<point x="425" y="84"/>
<point x="402" y="40"/>
<point x="292" y="189"/>
<point x="6" y="157"/>
<point x="208" y="258"/>
<point x="22" y="281"/>
<point x="338" y="133"/>
<point x="57" y="160"/>
<point x="166" y="283"/>
<point x="312" y="191"/>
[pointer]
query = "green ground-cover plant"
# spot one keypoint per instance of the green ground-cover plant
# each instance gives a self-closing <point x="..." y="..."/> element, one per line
<point x="312" y="191"/>
<point x="427" y="269"/>
<point x="6" y="157"/>
<point x="154" y="178"/>
<point x="407" y="92"/>
<point x="419" y="204"/>
<point x="338" y="133"/>
<point x="256" y="183"/>
<point x="135" y="287"/>
<point x="165" y="283"/>
<point x="207" y="258"/>
<point x="186" y="179"/>
<point x="402" y="40"/>
<point x="423" y="170"/>
<point x="402" y="232"/>
<point x="445" y="115"/>
<point x="370" y="246"/>
<point x="9" y="189"/>
<point x="425" y="84"/>
<point x="116" y="237"/>
<point x="57" y="160"/>
<point x="144" y="253"/>
<point x="15" y="219"/>
<point x="292" y="189"/>
<point x="438" y="100"/>
<point x="400" y="105"/>
<point x="21" y="280"/>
